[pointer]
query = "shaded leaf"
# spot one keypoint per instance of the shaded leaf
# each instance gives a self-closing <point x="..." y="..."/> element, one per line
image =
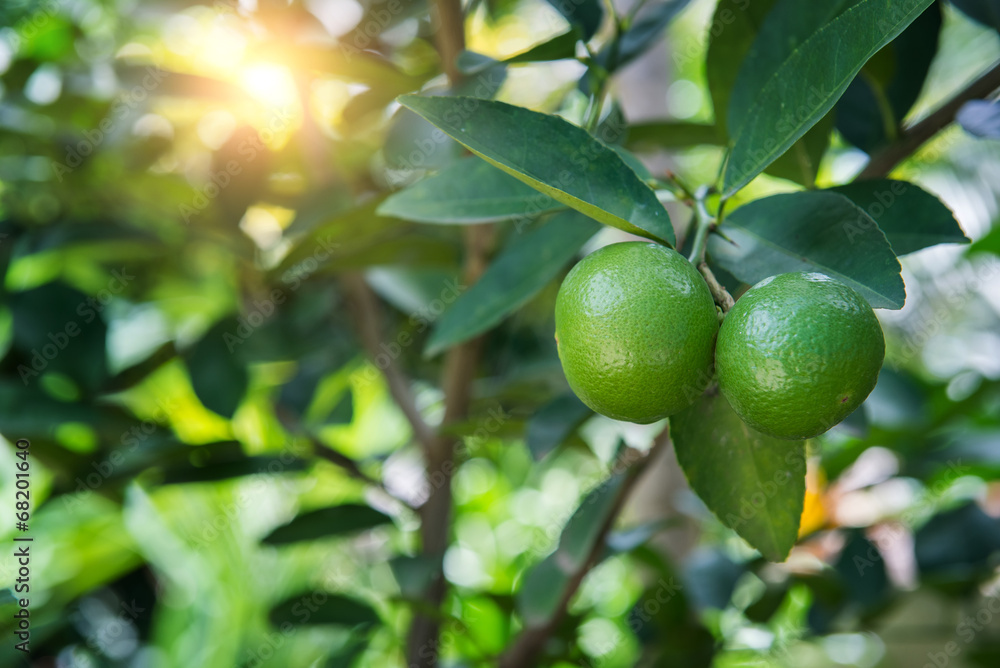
<point x="346" y="656"/>
<point x="645" y="31"/>
<point x="414" y="574"/>
<point x="753" y="483"/>
<point x="469" y="191"/>
<point x="553" y="423"/>
<point x="320" y="608"/>
<point x="810" y="231"/>
<point x="560" y="47"/>
<point x="957" y="546"/>
<point x="586" y="14"/>
<point x="710" y="576"/>
<point x="326" y="522"/>
<point x="671" y="134"/>
<point x="788" y="80"/>
<point x="217" y="376"/>
<point x="554" y="157"/>
<point x="873" y="107"/>
<point x="58" y="328"/>
<point x="733" y="31"/>
<point x="910" y="217"/>
<point x="245" y="466"/>
<point x="521" y="270"/>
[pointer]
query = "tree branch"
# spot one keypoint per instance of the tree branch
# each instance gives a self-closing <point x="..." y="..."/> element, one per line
<point x="368" y="317"/>
<point x="435" y="514"/>
<point x="459" y="371"/>
<point x="525" y="650"/>
<point x="883" y="162"/>
<point x="450" y="37"/>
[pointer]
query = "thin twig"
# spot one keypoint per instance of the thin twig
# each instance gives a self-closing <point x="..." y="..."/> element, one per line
<point x="460" y="369"/>
<point x="883" y="162"/>
<point x="525" y="650"/>
<point x="450" y="37"/>
<point x="703" y="225"/>
<point x="719" y="292"/>
<point x="368" y="318"/>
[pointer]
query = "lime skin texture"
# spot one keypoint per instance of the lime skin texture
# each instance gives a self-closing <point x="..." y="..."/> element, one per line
<point x="798" y="353"/>
<point x="635" y="329"/>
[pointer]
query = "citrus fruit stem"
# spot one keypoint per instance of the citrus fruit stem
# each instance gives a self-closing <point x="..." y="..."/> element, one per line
<point x="703" y="225"/>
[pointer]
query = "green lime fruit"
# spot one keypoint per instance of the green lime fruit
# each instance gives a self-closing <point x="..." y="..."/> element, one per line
<point x="635" y="328"/>
<point x="798" y="353"/>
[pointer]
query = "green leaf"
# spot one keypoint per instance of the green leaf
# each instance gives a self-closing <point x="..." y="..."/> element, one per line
<point x="524" y="267"/>
<point x="800" y="163"/>
<point x="554" y="157"/>
<point x="672" y="135"/>
<point x="753" y="483"/>
<point x="642" y="34"/>
<point x="469" y="191"/>
<point x="218" y="378"/>
<point x="544" y="584"/>
<point x="326" y="522"/>
<point x="988" y="244"/>
<point x="414" y="574"/>
<point x="910" y="217"/>
<point x="553" y="423"/>
<point x="237" y="468"/>
<point x="645" y="32"/>
<point x="348" y="654"/>
<point x="560" y="47"/>
<point x="789" y="80"/>
<point x="810" y="231"/>
<point x="319" y="608"/>
<point x="734" y="29"/>
<point x="585" y="14"/>
<point x="58" y="328"/>
<point x="872" y="108"/>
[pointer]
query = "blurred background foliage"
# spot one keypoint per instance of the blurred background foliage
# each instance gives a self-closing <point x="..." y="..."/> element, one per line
<point x="188" y="190"/>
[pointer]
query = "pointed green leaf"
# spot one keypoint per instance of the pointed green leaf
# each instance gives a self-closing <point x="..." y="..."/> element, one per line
<point x="515" y="276"/>
<point x="753" y="483"/>
<point x="218" y="378"/>
<point x="469" y="191"/>
<point x="810" y="231"/>
<point x="585" y="14"/>
<point x="326" y="522"/>
<point x="552" y="156"/>
<point x="804" y="57"/>
<point x="873" y="107"/>
<point x="560" y="47"/>
<point x="319" y="608"/>
<point x="910" y="217"/>
<point x="554" y="422"/>
<point x="734" y="29"/>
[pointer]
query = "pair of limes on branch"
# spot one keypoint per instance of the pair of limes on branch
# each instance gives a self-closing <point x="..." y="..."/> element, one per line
<point x="638" y="336"/>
